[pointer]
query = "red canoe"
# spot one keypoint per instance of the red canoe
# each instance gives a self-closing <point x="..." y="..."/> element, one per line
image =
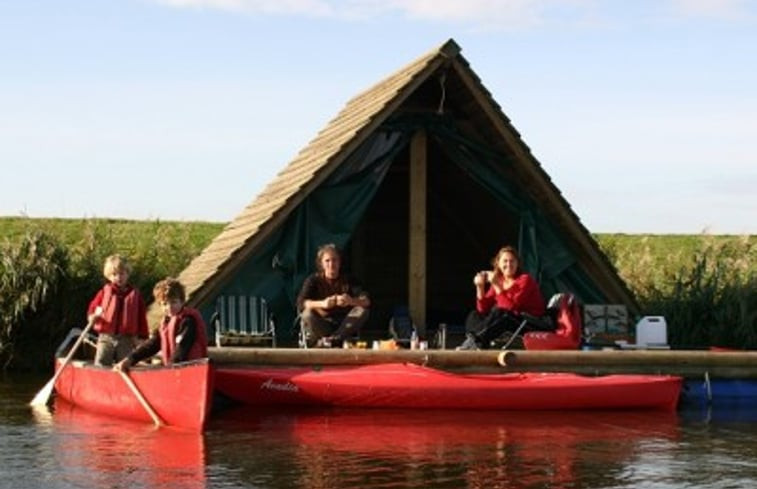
<point x="180" y="395"/>
<point x="401" y="385"/>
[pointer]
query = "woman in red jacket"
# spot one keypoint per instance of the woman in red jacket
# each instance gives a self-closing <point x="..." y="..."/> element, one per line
<point x="181" y="335"/>
<point x="510" y="293"/>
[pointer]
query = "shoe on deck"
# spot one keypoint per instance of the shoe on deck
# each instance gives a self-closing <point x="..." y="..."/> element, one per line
<point x="470" y="343"/>
<point x="329" y="342"/>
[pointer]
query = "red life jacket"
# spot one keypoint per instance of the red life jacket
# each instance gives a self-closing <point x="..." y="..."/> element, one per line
<point x="168" y="336"/>
<point x="129" y="320"/>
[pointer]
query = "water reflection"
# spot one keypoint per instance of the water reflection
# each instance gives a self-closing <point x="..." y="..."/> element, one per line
<point x="700" y="446"/>
<point x="387" y="448"/>
<point x="98" y="451"/>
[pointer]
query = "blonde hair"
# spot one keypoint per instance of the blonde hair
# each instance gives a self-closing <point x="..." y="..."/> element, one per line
<point x="167" y="289"/>
<point x="116" y="263"/>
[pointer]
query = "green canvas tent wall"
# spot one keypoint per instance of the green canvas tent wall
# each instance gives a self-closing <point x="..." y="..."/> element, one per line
<point x="420" y="179"/>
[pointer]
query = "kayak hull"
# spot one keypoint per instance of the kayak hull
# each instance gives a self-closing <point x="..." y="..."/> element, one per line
<point x="402" y="385"/>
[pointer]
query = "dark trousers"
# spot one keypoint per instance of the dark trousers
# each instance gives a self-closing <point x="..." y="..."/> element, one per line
<point x="339" y="326"/>
<point x="487" y="328"/>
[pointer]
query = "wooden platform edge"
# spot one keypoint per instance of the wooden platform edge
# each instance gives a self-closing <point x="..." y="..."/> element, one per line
<point x="686" y="363"/>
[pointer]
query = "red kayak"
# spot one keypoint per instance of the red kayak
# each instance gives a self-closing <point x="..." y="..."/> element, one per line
<point x="180" y="395"/>
<point x="403" y="385"/>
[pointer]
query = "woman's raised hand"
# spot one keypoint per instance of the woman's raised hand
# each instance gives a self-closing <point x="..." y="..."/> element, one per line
<point x="480" y="279"/>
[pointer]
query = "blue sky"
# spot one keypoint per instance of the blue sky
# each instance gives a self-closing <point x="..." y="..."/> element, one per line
<point x="644" y="113"/>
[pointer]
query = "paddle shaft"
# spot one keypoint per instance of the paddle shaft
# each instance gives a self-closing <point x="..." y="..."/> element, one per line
<point x="43" y="396"/>
<point x="135" y="390"/>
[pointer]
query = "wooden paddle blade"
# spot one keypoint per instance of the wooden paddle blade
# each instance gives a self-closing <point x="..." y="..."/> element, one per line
<point x="43" y="396"/>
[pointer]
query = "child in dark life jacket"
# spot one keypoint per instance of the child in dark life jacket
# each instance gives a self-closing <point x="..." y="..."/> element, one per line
<point x="181" y="335"/>
<point x="118" y="312"/>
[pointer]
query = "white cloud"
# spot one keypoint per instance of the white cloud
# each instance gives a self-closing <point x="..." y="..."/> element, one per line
<point x="717" y="9"/>
<point x="498" y="14"/>
<point x="490" y="13"/>
<point x="316" y="8"/>
<point x="513" y="13"/>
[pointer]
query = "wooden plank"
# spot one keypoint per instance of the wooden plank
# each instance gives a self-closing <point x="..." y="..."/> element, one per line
<point x="687" y="363"/>
<point x="417" y="233"/>
<point x="337" y="356"/>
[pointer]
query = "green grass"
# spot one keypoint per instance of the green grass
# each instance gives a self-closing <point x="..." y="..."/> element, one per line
<point x="70" y="231"/>
<point x="50" y="268"/>
<point x="651" y="261"/>
<point x="640" y="259"/>
<point x="705" y="285"/>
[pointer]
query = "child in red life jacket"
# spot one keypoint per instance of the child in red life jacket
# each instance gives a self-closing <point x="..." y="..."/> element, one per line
<point x="181" y="335"/>
<point x="118" y="312"/>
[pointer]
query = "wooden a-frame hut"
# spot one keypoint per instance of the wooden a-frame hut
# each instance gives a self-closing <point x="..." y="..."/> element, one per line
<point x="420" y="180"/>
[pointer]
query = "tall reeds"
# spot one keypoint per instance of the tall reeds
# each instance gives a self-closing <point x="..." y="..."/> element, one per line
<point x="50" y="269"/>
<point x="706" y="289"/>
<point x="31" y="271"/>
<point x="705" y="286"/>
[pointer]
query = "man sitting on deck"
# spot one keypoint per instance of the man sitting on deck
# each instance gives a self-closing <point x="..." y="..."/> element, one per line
<point x="333" y="306"/>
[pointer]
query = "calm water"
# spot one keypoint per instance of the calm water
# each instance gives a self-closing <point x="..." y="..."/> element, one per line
<point x="69" y="448"/>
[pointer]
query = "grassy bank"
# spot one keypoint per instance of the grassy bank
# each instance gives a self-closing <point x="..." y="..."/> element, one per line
<point x="705" y="285"/>
<point x="125" y="234"/>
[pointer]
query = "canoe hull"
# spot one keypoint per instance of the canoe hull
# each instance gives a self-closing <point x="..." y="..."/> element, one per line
<point x="180" y="395"/>
<point x="401" y="385"/>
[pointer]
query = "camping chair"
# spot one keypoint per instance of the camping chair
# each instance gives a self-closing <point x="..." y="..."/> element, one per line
<point x="401" y="326"/>
<point x="544" y="322"/>
<point x="566" y="312"/>
<point x="243" y="320"/>
<point x="509" y="337"/>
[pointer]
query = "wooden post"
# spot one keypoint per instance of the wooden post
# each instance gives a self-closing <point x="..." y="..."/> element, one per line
<point x="417" y="260"/>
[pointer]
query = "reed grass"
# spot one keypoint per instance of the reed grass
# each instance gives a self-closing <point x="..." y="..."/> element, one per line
<point x="30" y="272"/>
<point x="51" y="269"/>
<point x="705" y="285"/>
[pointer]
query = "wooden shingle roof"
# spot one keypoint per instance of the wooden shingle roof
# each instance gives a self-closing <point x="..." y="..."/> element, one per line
<point x="360" y="117"/>
<point x="309" y="168"/>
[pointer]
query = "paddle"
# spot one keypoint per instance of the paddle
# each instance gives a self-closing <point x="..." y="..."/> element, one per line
<point x="43" y="396"/>
<point x="155" y="418"/>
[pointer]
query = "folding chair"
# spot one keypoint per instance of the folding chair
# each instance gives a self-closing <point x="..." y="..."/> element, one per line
<point x="565" y="310"/>
<point x="401" y="326"/>
<point x="243" y="320"/>
<point x="528" y="319"/>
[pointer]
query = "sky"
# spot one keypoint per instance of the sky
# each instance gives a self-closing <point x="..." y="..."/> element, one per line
<point x="643" y="113"/>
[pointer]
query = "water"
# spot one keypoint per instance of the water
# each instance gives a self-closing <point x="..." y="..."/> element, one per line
<point x="70" y="448"/>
